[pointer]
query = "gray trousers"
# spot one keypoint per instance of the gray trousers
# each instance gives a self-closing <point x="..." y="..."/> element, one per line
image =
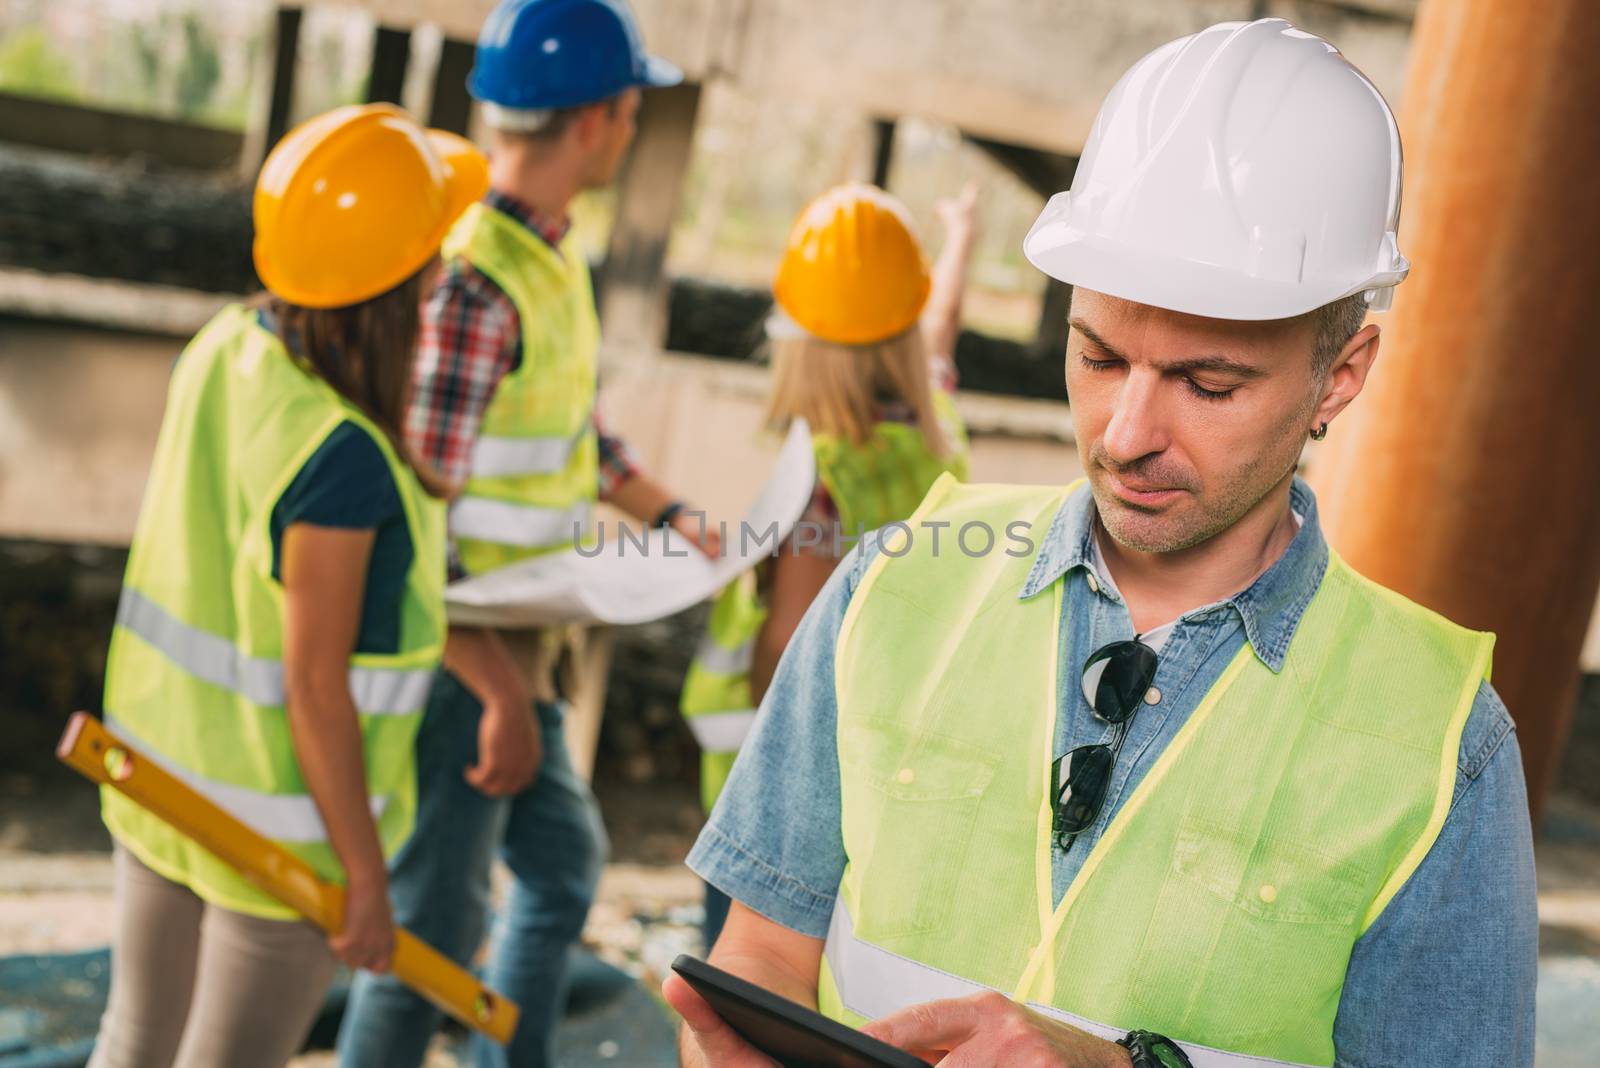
<point x="197" y="986"/>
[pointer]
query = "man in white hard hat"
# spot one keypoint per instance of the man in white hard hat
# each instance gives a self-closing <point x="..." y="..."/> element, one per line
<point x="1137" y="771"/>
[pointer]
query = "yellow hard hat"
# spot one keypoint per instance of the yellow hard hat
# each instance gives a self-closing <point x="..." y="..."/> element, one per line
<point x="355" y="201"/>
<point x="854" y="272"/>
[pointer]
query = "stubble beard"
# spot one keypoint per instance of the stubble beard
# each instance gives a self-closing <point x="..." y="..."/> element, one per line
<point x="1208" y="513"/>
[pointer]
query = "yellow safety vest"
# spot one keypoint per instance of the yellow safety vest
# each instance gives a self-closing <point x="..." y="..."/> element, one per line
<point x="195" y="673"/>
<point x="535" y="466"/>
<point x="877" y="482"/>
<point x="1221" y="905"/>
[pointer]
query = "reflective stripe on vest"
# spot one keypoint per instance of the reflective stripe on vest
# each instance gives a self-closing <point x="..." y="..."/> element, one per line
<point x="283" y="817"/>
<point x="535" y="467"/>
<point x="722" y="732"/>
<point x="872" y="982"/>
<point x="376" y="691"/>
<point x="714" y="656"/>
<point x="716" y="701"/>
<point x="499" y="457"/>
<point x="1222" y="902"/>
<point x="525" y="526"/>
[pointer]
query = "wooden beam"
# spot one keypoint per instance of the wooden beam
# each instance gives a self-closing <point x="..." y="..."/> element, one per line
<point x="633" y="304"/>
<point x="285" y="52"/>
<point x="585" y="688"/>
<point x="882" y="151"/>
<point x="451" y="106"/>
<point x="27" y="120"/>
<point x="391" y="53"/>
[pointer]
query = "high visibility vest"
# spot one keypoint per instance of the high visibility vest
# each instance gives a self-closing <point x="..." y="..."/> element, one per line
<point x="884" y="478"/>
<point x="535" y="466"/>
<point x="1222" y="903"/>
<point x="871" y="484"/>
<point x="195" y="675"/>
<point x="716" y="700"/>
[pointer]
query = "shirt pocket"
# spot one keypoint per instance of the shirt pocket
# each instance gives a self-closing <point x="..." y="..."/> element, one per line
<point x="1250" y="923"/>
<point x="910" y="803"/>
<point x="1273" y="880"/>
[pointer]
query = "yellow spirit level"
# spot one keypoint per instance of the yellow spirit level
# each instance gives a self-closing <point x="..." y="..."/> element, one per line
<point x="102" y="757"/>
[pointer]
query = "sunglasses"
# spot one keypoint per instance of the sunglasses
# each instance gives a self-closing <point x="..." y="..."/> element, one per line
<point x="1116" y="678"/>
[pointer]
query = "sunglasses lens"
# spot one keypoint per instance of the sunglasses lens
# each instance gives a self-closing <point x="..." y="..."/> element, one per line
<point x="1083" y="775"/>
<point x="1116" y="677"/>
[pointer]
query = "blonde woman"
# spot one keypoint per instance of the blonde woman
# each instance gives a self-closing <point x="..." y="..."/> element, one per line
<point x="861" y="345"/>
<point x="283" y="608"/>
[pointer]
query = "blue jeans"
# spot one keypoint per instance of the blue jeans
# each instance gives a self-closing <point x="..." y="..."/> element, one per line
<point x="551" y="838"/>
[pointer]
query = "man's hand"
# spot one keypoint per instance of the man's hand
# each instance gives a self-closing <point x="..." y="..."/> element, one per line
<point x="717" y="1043"/>
<point x="510" y="744"/>
<point x="510" y="749"/>
<point x="990" y="1030"/>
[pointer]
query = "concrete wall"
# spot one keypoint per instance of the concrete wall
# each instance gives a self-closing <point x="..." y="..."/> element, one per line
<point x="50" y="124"/>
<point x="79" y="410"/>
<point x="80" y="406"/>
<point x="1027" y="72"/>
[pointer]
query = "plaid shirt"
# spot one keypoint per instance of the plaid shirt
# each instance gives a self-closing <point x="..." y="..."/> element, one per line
<point x="471" y="338"/>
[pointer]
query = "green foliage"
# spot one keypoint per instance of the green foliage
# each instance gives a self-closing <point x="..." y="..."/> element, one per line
<point x="201" y="67"/>
<point x="144" y="40"/>
<point x="31" y="63"/>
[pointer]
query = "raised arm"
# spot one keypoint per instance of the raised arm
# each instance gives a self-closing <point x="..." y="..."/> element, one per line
<point x="941" y="319"/>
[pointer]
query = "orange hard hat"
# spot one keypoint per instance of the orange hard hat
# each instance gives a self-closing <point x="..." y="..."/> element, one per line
<point x="854" y="272"/>
<point x="355" y="201"/>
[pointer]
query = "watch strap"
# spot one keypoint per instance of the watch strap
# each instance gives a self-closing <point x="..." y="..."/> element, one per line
<point x="1146" y="1049"/>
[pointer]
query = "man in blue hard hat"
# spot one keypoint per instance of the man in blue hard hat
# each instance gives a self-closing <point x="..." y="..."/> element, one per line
<point x="504" y="408"/>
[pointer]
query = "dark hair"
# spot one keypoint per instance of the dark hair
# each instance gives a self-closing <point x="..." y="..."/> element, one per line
<point x="1333" y="325"/>
<point x="365" y="352"/>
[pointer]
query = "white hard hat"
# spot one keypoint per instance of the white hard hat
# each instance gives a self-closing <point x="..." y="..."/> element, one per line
<point x="1247" y="171"/>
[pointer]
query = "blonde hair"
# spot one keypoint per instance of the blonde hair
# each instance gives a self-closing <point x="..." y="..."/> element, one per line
<point x="839" y="389"/>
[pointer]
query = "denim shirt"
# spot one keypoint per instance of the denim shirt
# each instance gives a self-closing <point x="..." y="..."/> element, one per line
<point x="1444" y="978"/>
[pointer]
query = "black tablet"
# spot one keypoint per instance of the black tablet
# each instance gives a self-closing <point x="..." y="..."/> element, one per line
<point x="791" y="1034"/>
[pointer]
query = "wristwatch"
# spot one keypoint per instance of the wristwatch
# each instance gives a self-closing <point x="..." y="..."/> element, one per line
<point x="1149" y="1050"/>
<point x="668" y="514"/>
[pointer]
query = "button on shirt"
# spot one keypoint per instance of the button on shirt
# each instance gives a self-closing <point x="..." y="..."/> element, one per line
<point x="1444" y="978"/>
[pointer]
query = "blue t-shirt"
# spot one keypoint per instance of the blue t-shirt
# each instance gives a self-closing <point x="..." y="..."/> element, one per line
<point x="347" y="484"/>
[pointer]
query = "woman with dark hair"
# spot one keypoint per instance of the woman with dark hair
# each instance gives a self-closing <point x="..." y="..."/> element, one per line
<point x="283" y="609"/>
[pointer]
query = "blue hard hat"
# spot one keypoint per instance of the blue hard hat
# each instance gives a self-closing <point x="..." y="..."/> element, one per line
<point x="541" y="54"/>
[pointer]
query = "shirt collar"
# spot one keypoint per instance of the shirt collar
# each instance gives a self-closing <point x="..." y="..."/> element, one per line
<point x="1269" y="608"/>
<point x="551" y="228"/>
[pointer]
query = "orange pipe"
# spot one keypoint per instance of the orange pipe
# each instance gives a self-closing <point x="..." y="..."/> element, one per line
<point x="1467" y="476"/>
